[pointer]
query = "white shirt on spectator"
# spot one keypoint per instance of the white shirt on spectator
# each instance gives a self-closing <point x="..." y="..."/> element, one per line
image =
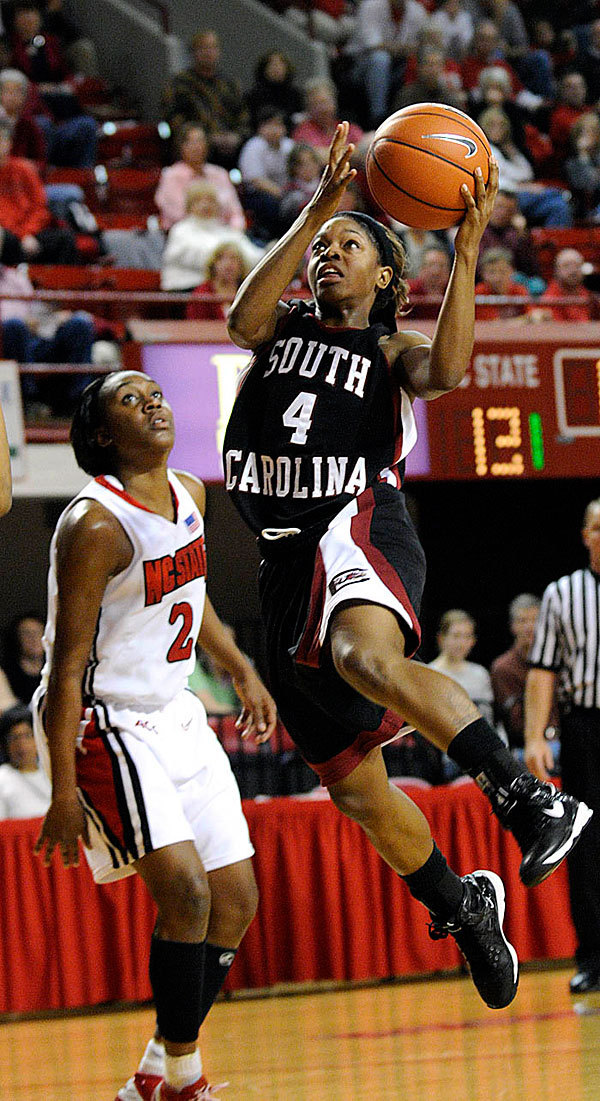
<point x="475" y="680"/>
<point x="456" y="33"/>
<point x="189" y="247"/>
<point x="375" y="26"/>
<point x="23" y="794"/>
<point x="259" y="160"/>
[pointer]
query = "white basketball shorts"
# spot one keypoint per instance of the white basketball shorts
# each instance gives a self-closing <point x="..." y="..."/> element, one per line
<point x="151" y="779"/>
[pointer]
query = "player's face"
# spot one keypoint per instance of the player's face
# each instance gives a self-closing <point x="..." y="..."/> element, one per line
<point x="344" y="264"/>
<point x="136" y="414"/>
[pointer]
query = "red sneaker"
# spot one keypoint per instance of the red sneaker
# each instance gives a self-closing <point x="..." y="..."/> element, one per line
<point x="198" y="1091"/>
<point x="139" y="1088"/>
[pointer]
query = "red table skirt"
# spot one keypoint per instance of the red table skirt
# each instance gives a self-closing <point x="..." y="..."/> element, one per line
<point x="329" y="907"/>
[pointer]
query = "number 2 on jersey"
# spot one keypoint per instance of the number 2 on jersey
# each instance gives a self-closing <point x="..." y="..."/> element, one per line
<point x="298" y="415"/>
<point x="181" y="648"/>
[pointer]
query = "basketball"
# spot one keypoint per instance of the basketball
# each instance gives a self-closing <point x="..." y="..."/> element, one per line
<point x="418" y="159"/>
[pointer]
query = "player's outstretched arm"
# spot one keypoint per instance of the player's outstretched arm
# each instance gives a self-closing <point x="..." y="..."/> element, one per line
<point x="258" y="715"/>
<point x="92" y="548"/>
<point x="452" y="344"/>
<point x="256" y="309"/>
<point x="5" y="474"/>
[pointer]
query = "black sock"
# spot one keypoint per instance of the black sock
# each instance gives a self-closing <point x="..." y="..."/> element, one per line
<point x="478" y="750"/>
<point x="217" y="962"/>
<point x="176" y="969"/>
<point x="436" y="886"/>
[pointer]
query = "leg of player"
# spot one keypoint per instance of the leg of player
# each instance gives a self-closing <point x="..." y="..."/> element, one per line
<point x="233" y="902"/>
<point x="179" y="886"/>
<point x="471" y="908"/>
<point x="367" y="645"/>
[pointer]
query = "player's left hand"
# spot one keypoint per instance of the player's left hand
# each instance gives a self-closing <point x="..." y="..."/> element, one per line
<point x="258" y="716"/>
<point x="479" y="209"/>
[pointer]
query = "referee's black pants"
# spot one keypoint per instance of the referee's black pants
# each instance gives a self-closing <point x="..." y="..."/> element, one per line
<point x="580" y="772"/>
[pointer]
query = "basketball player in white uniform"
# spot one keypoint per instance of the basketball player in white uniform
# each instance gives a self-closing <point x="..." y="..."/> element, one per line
<point x="137" y="772"/>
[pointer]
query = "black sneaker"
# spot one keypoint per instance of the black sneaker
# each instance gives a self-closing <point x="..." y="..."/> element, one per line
<point x="545" y="822"/>
<point x="478" y="932"/>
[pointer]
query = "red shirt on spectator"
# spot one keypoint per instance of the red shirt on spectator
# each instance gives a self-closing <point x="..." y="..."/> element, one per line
<point x="49" y="67"/>
<point x="494" y="313"/>
<point x="561" y="122"/>
<point x="584" y="312"/>
<point x="23" y="207"/>
<point x="29" y="142"/>
<point x="471" y="67"/>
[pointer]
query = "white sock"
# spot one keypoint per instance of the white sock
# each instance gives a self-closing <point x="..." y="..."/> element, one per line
<point x="182" y="1070"/>
<point x="153" y="1059"/>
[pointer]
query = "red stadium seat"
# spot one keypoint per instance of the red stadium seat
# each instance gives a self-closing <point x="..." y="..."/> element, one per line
<point x="550" y="241"/>
<point x="130" y="142"/>
<point x="131" y="190"/>
<point x="61" y="277"/>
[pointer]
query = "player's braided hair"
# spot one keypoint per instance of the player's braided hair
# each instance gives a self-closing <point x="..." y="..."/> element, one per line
<point x="88" y="418"/>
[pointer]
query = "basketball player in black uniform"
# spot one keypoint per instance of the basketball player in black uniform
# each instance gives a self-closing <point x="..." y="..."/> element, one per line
<point x="313" y="456"/>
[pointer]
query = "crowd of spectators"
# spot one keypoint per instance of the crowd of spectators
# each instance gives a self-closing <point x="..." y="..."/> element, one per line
<point x="243" y="163"/>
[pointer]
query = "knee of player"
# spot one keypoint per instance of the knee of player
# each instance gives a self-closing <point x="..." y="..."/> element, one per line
<point x="188" y="898"/>
<point x="361" y="664"/>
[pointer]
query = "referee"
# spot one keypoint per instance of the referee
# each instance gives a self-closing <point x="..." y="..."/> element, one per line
<point x="566" y="648"/>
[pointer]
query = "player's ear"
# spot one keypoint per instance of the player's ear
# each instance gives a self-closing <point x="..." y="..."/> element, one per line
<point x="103" y="437"/>
<point x="384" y="278"/>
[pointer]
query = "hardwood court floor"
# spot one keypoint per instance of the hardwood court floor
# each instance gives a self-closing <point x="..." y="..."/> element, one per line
<point x="418" y="1041"/>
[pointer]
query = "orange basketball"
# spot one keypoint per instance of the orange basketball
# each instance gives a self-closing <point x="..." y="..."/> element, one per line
<point x="418" y="159"/>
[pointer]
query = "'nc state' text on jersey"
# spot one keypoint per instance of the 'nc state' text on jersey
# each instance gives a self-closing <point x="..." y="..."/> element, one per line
<point x="163" y="575"/>
<point x="300" y="477"/>
<point x="310" y="356"/>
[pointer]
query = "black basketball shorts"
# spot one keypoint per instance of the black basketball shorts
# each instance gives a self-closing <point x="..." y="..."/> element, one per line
<point x="371" y="554"/>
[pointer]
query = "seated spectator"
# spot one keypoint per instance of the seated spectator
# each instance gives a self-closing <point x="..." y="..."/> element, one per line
<point x="329" y="21"/>
<point x="71" y="135"/>
<point x="192" y="241"/>
<point x="193" y="165"/>
<point x="507" y="228"/>
<point x="226" y="270"/>
<point x="25" y="790"/>
<point x="274" y="87"/>
<point x="430" y="84"/>
<point x="486" y="51"/>
<point x="559" y="44"/>
<point x="417" y="242"/>
<point x="386" y="35"/>
<point x="202" y="95"/>
<point x="547" y="206"/>
<point x="533" y="66"/>
<point x="213" y="685"/>
<point x="509" y="673"/>
<point x="7" y="696"/>
<point x="569" y="107"/>
<point x="28" y="140"/>
<point x="24" y="656"/>
<point x="318" y="127"/>
<point x="494" y="89"/>
<point x="263" y="165"/>
<point x="582" y="168"/>
<point x="79" y="50"/>
<point x="456" y="638"/>
<point x="25" y="219"/>
<point x="497" y="277"/>
<point x="431" y="37"/>
<point x="569" y="274"/>
<point x="588" y="59"/>
<point x="456" y="26"/>
<point x="304" y="168"/>
<point x="431" y="280"/>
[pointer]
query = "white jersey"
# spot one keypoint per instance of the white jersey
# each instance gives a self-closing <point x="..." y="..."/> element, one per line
<point x="151" y="612"/>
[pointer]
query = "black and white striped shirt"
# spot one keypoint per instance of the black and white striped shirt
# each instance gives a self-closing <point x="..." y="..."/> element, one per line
<point x="567" y="637"/>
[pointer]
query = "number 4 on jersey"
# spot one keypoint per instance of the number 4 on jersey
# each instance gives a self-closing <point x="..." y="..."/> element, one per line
<point x="298" y="415"/>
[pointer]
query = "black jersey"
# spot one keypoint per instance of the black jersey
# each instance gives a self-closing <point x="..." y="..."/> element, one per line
<point x="318" y="418"/>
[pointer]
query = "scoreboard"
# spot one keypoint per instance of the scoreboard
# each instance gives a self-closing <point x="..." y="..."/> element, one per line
<point x="528" y="407"/>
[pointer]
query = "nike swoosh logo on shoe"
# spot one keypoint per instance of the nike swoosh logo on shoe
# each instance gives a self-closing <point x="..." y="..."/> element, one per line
<point x="556" y="811"/>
